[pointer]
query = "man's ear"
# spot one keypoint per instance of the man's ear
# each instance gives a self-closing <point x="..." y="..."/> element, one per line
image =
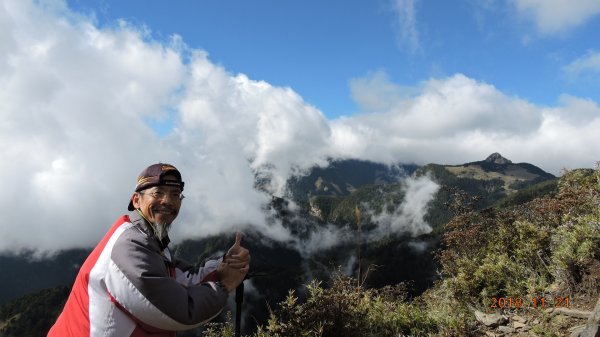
<point x="135" y="200"/>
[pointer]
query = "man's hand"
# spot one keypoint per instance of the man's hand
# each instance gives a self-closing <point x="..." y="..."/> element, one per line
<point x="238" y="257"/>
<point x="235" y="265"/>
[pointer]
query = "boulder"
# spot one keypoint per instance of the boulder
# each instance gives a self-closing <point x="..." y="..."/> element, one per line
<point x="592" y="328"/>
<point x="490" y="320"/>
<point x="517" y="318"/>
<point x="522" y="326"/>
<point x="506" y="329"/>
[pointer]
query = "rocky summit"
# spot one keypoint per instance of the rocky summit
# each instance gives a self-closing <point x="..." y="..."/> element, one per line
<point x="497" y="158"/>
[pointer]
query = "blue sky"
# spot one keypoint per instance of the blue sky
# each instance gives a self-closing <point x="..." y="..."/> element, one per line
<point x="93" y="91"/>
<point x="318" y="47"/>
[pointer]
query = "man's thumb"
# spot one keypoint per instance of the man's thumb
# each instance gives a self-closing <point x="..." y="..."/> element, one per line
<point x="238" y="239"/>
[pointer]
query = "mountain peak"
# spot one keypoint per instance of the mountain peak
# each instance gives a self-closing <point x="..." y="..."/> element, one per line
<point x="497" y="158"/>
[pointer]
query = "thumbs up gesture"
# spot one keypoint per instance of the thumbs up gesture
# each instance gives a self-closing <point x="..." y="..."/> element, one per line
<point x="237" y="246"/>
<point x="235" y="265"/>
<point x="238" y="257"/>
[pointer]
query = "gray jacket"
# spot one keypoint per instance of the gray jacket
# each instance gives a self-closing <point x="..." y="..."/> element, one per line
<point x="131" y="285"/>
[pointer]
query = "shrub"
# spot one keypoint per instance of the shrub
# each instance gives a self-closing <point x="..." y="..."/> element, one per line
<point x="504" y="252"/>
<point x="348" y="310"/>
<point x="521" y="250"/>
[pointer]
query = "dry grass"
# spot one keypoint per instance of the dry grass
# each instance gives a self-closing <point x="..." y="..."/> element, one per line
<point x="510" y="176"/>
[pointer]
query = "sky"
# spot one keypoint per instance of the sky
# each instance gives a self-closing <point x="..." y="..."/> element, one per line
<point x="91" y="92"/>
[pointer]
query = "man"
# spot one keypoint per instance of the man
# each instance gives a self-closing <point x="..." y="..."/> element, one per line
<point x="131" y="285"/>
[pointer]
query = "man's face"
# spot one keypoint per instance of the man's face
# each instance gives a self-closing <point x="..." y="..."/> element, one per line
<point x="160" y="204"/>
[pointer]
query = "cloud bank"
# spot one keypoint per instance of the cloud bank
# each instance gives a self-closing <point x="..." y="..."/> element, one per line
<point x="557" y="16"/>
<point x="77" y="102"/>
<point x="586" y="64"/>
<point x="408" y="217"/>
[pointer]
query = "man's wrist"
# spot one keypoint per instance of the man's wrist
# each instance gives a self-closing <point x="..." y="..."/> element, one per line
<point x="222" y="285"/>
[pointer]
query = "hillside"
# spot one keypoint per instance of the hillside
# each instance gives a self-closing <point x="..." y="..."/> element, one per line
<point x="530" y="269"/>
<point x="491" y="180"/>
<point x="342" y="177"/>
<point x="25" y="273"/>
<point x="33" y="314"/>
<point x="514" y="176"/>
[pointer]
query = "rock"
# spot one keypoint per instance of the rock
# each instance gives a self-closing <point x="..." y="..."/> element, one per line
<point x="577" y="330"/>
<point x="497" y="158"/>
<point x="571" y="313"/>
<point x="506" y="329"/>
<point x="491" y="334"/>
<point x="490" y="320"/>
<point x="517" y="318"/>
<point x="526" y="334"/>
<point x="519" y="325"/>
<point x="592" y="328"/>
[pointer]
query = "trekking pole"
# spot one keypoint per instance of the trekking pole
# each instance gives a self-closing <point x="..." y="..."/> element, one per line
<point x="239" y="298"/>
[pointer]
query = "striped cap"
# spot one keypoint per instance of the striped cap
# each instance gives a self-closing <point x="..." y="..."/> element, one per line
<point x="153" y="175"/>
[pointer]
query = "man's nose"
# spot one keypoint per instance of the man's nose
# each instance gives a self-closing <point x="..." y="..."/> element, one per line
<point x="167" y="199"/>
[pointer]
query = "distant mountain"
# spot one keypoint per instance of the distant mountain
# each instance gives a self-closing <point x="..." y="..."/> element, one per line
<point x="24" y="273"/>
<point x="342" y="177"/>
<point x="491" y="179"/>
<point x="497" y="168"/>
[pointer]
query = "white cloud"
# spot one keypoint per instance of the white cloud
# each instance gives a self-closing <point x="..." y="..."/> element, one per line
<point x="405" y="218"/>
<point x="74" y="106"/>
<point x="376" y="93"/>
<point x="436" y="122"/>
<point x="588" y="63"/>
<point x="457" y="119"/>
<point x="72" y="103"/>
<point x="406" y="26"/>
<point x="408" y="217"/>
<point x="231" y="127"/>
<point x="557" y="16"/>
<point x="324" y="237"/>
<point x="75" y="101"/>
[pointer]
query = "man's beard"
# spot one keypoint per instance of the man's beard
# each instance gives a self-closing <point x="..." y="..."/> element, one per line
<point x="161" y="230"/>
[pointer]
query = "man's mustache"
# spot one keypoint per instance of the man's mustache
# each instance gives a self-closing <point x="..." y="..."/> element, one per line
<point x="164" y="209"/>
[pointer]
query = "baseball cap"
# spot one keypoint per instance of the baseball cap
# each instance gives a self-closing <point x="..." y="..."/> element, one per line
<point x="153" y="175"/>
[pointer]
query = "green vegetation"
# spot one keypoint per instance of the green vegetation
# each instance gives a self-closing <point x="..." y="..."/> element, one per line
<point x="547" y="247"/>
<point x="342" y="177"/>
<point x="374" y="198"/>
<point x="542" y="248"/>
<point x="343" y="310"/>
<point x="545" y="188"/>
<point x="33" y="314"/>
<point x="20" y="273"/>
